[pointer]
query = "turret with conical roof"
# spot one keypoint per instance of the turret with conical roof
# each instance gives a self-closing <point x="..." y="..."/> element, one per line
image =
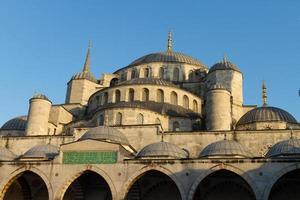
<point x="83" y="84"/>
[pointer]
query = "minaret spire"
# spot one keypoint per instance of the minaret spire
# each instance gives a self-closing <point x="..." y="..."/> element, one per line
<point x="264" y="93"/>
<point x="169" y="41"/>
<point x="87" y="63"/>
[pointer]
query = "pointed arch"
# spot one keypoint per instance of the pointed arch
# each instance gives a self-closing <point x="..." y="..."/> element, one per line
<point x="139" y="173"/>
<point x="119" y="119"/>
<point x="88" y="185"/>
<point x="69" y="180"/>
<point x="140" y="118"/>
<point x="176" y="74"/>
<point x="131" y="95"/>
<point x="238" y="172"/>
<point x="19" y="179"/>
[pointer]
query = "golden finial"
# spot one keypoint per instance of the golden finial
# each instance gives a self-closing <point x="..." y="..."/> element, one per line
<point x="225" y="58"/>
<point x="170" y="41"/>
<point x="87" y="62"/>
<point x="264" y="93"/>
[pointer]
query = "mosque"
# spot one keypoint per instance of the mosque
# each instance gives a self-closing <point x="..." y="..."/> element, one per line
<point x="164" y="127"/>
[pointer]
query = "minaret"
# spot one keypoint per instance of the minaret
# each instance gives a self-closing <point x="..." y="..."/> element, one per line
<point x="87" y="63"/>
<point x="170" y="41"/>
<point x="264" y="93"/>
<point x="82" y="85"/>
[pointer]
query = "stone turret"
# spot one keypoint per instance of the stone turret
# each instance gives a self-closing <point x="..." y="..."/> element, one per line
<point x="230" y="77"/>
<point x="82" y="85"/>
<point x="38" y="115"/>
<point x="218" y="109"/>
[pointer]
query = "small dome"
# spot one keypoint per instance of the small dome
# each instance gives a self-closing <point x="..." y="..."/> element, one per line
<point x="42" y="151"/>
<point x="105" y="133"/>
<point x="286" y="148"/>
<point x="150" y="81"/>
<point x="84" y="75"/>
<point x="162" y="149"/>
<point x="40" y="96"/>
<point x="224" y="65"/>
<point x="6" y="155"/>
<point x="167" y="56"/>
<point x="17" y="123"/>
<point x="266" y="114"/>
<point x="225" y="148"/>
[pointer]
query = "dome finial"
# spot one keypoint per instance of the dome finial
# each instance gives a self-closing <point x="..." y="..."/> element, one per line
<point x="225" y="58"/>
<point x="87" y="63"/>
<point x="264" y="93"/>
<point x="170" y="41"/>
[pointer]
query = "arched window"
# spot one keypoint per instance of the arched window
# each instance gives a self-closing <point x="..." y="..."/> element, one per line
<point x="133" y="74"/>
<point x="101" y="120"/>
<point x="191" y="75"/>
<point x="131" y="95"/>
<point x="97" y="100"/>
<point x="195" y="106"/>
<point x="119" y="119"/>
<point x="174" y="99"/>
<point x="160" y="96"/>
<point x="185" y="101"/>
<point x="117" y="96"/>
<point x="105" y="98"/>
<point x="176" y="126"/>
<point x="124" y="76"/>
<point x="176" y="74"/>
<point x="140" y="119"/>
<point x="161" y="72"/>
<point x="146" y="73"/>
<point x="113" y="82"/>
<point x="145" y="95"/>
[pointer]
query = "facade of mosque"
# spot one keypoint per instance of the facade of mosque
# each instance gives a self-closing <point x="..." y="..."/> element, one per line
<point x="163" y="127"/>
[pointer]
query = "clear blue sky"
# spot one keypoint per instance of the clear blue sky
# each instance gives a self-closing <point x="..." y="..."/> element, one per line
<point x="43" y="43"/>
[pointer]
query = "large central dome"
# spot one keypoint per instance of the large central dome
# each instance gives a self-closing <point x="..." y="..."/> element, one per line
<point x="167" y="56"/>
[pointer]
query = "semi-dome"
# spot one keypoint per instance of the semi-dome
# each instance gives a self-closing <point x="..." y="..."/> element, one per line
<point x="105" y="133"/>
<point x="266" y="114"/>
<point x="225" y="148"/>
<point x="166" y="56"/>
<point x="162" y="149"/>
<point x="6" y="154"/>
<point x="286" y="148"/>
<point x="224" y="65"/>
<point x="150" y="81"/>
<point x="47" y="151"/>
<point x="17" y="123"/>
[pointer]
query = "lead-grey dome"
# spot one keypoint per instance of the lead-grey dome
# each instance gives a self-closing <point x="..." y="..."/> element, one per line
<point x="266" y="114"/>
<point x="225" y="148"/>
<point x="224" y="65"/>
<point x="162" y="149"/>
<point x="286" y="148"/>
<point x="47" y="151"/>
<point x="105" y="133"/>
<point x="6" y="154"/>
<point x="17" y="123"/>
<point x="167" y="56"/>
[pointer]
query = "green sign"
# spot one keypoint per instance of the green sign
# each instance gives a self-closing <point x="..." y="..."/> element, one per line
<point x="93" y="157"/>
